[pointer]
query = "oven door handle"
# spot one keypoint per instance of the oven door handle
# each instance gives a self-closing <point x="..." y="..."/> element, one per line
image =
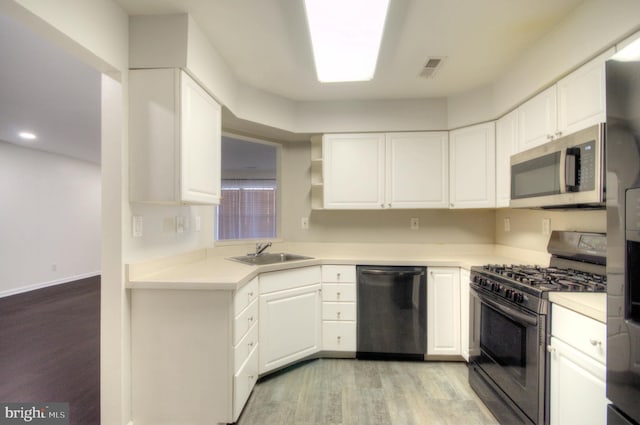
<point x="511" y="312"/>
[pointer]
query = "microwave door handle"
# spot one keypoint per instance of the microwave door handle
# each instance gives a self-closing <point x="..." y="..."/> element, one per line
<point x="570" y="163"/>
<point x="563" y="171"/>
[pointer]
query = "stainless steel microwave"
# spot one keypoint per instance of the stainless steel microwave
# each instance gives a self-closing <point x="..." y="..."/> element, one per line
<point x="566" y="172"/>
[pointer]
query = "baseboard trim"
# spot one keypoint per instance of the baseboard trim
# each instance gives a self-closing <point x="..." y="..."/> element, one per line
<point x="41" y="285"/>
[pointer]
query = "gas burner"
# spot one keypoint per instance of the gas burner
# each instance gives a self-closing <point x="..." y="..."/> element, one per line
<point x="550" y="278"/>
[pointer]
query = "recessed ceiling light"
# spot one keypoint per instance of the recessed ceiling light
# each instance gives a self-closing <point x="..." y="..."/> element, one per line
<point x="27" y="135"/>
<point x="346" y="36"/>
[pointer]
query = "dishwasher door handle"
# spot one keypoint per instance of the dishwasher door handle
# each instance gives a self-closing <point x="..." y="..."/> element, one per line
<point x="392" y="272"/>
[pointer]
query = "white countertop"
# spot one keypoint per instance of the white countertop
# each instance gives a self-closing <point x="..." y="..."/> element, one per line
<point x="210" y="269"/>
<point x="588" y="304"/>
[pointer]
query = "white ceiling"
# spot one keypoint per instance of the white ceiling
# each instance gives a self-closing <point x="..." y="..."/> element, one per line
<point x="45" y="90"/>
<point x="266" y="43"/>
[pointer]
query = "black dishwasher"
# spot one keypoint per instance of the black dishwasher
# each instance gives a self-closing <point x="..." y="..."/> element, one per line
<point x="392" y="312"/>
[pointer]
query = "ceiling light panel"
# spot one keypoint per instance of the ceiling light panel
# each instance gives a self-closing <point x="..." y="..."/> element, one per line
<point x="346" y="36"/>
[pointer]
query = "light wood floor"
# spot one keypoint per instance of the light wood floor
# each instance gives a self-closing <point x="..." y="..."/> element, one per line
<point x="365" y="392"/>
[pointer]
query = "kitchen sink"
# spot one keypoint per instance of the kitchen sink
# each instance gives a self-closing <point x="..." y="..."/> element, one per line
<point x="269" y="258"/>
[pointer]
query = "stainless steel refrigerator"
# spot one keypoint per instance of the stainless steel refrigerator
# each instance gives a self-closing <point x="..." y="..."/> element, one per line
<point x="623" y="241"/>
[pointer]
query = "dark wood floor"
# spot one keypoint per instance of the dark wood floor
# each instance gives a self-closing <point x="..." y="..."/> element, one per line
<point x="50" y="348"/>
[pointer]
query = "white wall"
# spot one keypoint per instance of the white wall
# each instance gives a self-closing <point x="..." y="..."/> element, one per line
<point x="526" y="225"/>
<point x="51" y="219"/>
<point x="97" y="33"/>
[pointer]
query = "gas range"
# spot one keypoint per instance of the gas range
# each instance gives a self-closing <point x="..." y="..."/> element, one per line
<point x="509" y="323"/>
<point x="577" y="265"/>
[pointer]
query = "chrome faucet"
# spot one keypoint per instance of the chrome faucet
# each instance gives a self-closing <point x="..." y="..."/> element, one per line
<point x="261" y="247"/>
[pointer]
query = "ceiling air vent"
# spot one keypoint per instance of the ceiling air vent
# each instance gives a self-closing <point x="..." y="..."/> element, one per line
<point x="433" y="64"/>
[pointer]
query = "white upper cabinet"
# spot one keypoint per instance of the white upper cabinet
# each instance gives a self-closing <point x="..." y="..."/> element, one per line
<point x="174" y="137"/>
<point x="417" y="169"/>
<point x="575" y="102"/>
<point x="472" y="167"/>
<point x="582" y="96"/>
<point x="353" y="171"/>
<point x="537" y="120"/>
<point x="506" y="145"/>
<point x="393" y="170"/>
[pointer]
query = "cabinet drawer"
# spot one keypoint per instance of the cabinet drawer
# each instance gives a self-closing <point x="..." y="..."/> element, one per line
<point x="246" y="345"/>
<point x="244" y="321"/>
<point x="339" y="274"/>
<point x="339" y="336"/>
<point x="245" y="296"/>
<point x="243" y="383"/>
<point x="339" y="292"/>
<point x="581" y="332"/>
<point x="289" y="279"/>
<point x="338" y="311"/>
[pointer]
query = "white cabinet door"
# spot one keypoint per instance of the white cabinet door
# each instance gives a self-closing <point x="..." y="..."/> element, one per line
<point x="537" y="120"/>
<point x="443" y="311"/>
<point x="472" y="161"/>
<point x="577" y="387"/>
<point x="200" y="141"/>
<point x="465" y="277"/>
<point x="506" y="145"/>
<point x="174" y="139"/>
<point x="582" y="96"/>
<point x="417" y="170"/>
<point x="290" y="326"/>
<point x="353" y="171"/>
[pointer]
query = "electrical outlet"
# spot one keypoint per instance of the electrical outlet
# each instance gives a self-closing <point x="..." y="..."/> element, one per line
<point x="54" y="267"/>
<point x="507" y="224"/>
<point x="415" y="223"/>
<point x="546" y="226"/>
<point x="304" y="223"/>
<point x="198" y="223"/>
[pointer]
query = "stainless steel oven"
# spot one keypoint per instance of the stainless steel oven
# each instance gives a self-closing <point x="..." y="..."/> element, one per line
<point x="507" y="358"/>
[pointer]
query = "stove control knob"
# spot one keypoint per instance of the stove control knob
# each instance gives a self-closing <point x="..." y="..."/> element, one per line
<point x="519" y="298"/>
<point x="508" y="293"/>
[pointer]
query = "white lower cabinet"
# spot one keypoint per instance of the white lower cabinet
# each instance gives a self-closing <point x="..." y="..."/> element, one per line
<point x="243" y="382"/>
<point x="465" y="277"/>
<point x="443" y="311"/>
<point x="290" y="316"/>
<point x="339" y="308"/>
<point x="577" y="369"/>
<point x="194" y="354"/>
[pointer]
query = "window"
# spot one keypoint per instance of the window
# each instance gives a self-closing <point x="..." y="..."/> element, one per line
<point x="248" y="208"/>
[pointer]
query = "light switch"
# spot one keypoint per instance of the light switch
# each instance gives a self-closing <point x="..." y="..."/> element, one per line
<point x="415" y="223"/>
<point x="304" y="223"/>
<point x="198" y="223"/>
<point x="507" y="224"/>
<point x="180" y="224"/>
<point x="136" y="226"/>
